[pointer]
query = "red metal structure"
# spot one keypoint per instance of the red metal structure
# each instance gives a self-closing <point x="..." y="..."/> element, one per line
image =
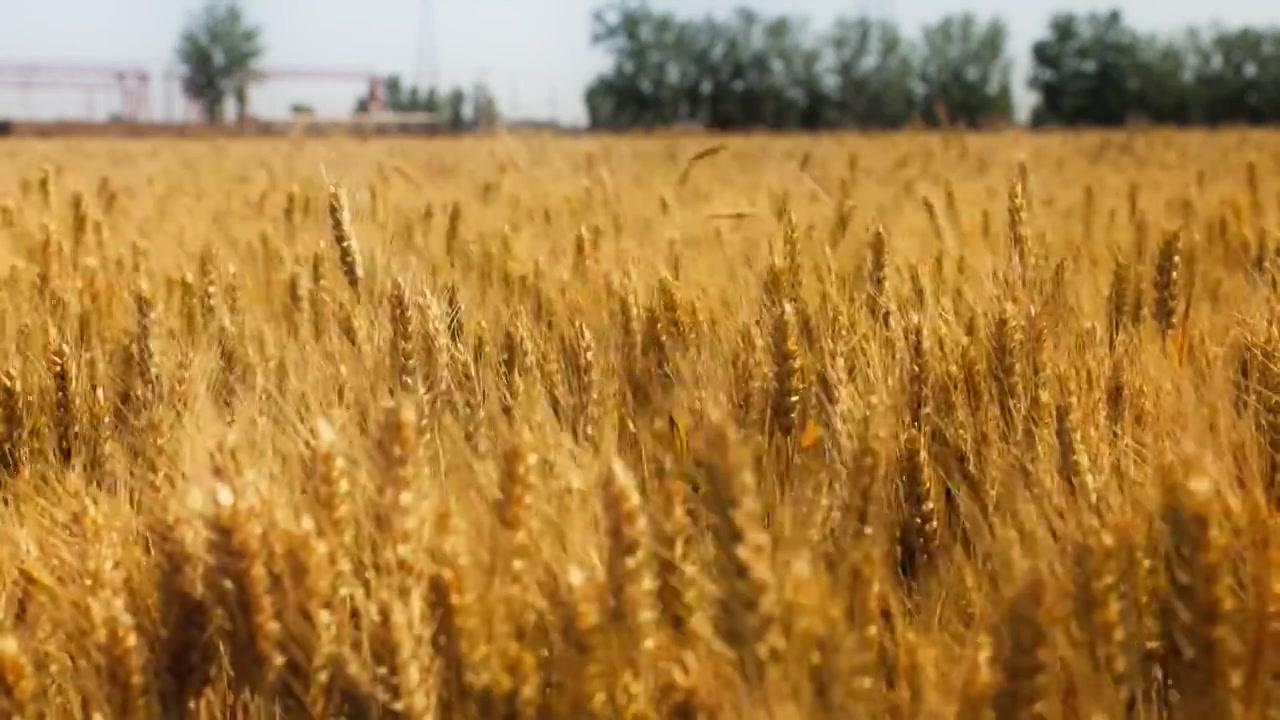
<point x="91" y="91"/>
<point x="132" y="83"/>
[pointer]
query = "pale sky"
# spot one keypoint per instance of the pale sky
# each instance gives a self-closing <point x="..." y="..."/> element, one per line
<point x="536" y="55"/>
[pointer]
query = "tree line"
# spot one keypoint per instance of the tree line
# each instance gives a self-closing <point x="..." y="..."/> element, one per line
<point x="750" y="70"/>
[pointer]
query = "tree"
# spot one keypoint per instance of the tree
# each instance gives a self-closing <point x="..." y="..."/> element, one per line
<point x="219" y="50"/>
<point x="1086" y="70"/>
<point x="964" y="72"/>
<point x="456" y="109"/>
<point x="874" y="69"/>
<point x="1236" y="73"/>
<point x="746" y="89"/>
<point x="1163" y="89"/>
<point x="640" y="87"/>
<point x="747" y="69"/>
<point x="1095" y="70"/>
<point x="796" y="91"/>
<point x="431" y="103"/>
<point x="484" y="108"/>
<point x="604" y="109"/>
<point x="751" y="70"/>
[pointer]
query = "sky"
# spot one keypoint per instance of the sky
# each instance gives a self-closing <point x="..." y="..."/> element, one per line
<point x="535" y="55"/>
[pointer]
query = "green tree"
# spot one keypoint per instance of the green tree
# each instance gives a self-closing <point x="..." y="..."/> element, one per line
<point x="711" y="71"/>
<point x="1093" y="69"/>
<point x="604" y="106"/>
<point x="795" y="86"/>
<point x="484" y="107"/>
<point x="393" y="86"/>
<point x="456" y="109"/>
<point x="964" y="72"/>
<point x="1236" y="73"/>
<point x="746" y="69"/>
<point x="741" y="71"/>
<point x="219" y="51"/>
<point x="748" y="83"/>
<point x="1163" y="89"/>
<point x="1085" y="70"/>
<point x="874" y="68"/>
<point x="432" y="103"/>
<point x="641" y="88"/>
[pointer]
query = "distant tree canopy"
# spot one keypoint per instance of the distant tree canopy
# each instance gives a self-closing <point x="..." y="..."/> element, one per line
<point x="1094" y="69"/>
<point x="748" y="70"/>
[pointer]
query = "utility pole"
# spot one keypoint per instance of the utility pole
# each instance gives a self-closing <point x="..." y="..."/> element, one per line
<point x="427" y="65"/>
<point x="879" y="9"/>
<point x="513" y="92"/>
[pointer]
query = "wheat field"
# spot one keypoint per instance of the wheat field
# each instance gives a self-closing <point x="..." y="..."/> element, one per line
<point x="901" y="426"/>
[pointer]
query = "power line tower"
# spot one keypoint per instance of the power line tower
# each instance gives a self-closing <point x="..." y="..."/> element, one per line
<point x="880" y="9"/>
<point x="427" y="63"/>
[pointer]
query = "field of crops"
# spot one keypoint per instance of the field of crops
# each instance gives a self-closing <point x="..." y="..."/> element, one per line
<point x="906" y="426"/>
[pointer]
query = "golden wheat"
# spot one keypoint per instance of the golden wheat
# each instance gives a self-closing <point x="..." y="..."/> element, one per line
<point x="575" y="441"/>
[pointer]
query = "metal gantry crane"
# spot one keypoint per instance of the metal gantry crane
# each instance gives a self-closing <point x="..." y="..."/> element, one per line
<point x="132" y="83"/>
<point x="372" y="80"/>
